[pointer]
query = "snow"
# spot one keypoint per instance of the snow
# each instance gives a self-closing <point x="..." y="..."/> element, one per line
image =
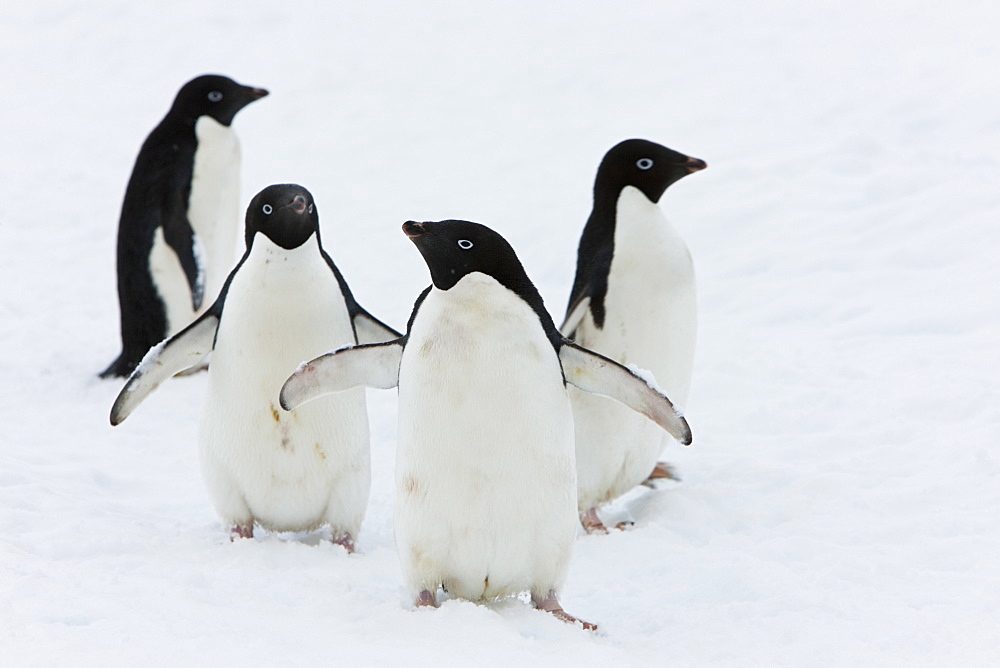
<point x="839" y="504"/>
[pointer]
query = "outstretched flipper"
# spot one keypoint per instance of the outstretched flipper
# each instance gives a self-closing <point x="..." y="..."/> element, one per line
<point x="574" y="317"/>
<point x="373" y="365"/>
<point x="596" y="373"/>
<point x="179" y="352"/>
<point x="370" y="329"/>
<point x="181" y="237"/>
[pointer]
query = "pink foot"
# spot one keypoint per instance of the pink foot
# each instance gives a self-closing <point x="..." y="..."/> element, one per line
<point x="427" y="599"/>
<point x="550" y="604"/>
<point x="344" y="541"/>
<point x="662" y="471"/>
<point x="592" y="523"/>
<point x="241" y="531"/>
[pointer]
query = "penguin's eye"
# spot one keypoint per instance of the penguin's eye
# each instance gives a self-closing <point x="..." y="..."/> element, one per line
<point x="464" y="244"/>
<point x="310" y="208"/>
<point x="267" y="209"/>
<point x="644" y="163"/>
<point x="214" y="96"/>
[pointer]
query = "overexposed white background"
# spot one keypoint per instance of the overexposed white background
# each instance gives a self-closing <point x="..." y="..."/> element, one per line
<point x="840" y="504"/>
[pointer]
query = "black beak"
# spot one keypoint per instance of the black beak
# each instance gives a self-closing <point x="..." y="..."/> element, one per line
<point x="298" y="204"/>
<point x="413" y="230"/>
<point x="694" y="165"/>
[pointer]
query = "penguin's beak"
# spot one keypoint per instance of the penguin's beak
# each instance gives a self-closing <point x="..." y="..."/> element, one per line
<point x="693" y="165"/>
<point x="257" y="93"/>
<point x="413" y="230"/>
<point x="298" y="204"/>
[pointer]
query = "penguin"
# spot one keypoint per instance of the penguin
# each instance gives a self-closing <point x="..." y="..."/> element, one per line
<point x="180" y="218"/>
<point x="485" y="473"/>
<point x="633" y="300"/>
<point x="285" y="302"/>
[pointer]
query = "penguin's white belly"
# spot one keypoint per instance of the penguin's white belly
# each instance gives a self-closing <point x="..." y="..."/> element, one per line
<point x="485" y="473"/>
<point x="214" y="204"/>
<point x="285" y="470"/>
<point x="650" y="321"/>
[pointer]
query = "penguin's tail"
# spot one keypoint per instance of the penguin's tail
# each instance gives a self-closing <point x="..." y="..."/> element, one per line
<point x="121" y="367"/>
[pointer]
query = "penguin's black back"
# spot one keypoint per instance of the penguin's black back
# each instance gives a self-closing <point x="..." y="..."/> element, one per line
<point x="156" y="196"/>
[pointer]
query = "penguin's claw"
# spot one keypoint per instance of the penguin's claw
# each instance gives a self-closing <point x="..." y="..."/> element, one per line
<point x="592" y="523"/>
<point x="550" y="604"/>
<point x="344" y="541"/>
<point x="426" y="599"/>
<point x="241" y="531"/>
<point x="662" y="471"/>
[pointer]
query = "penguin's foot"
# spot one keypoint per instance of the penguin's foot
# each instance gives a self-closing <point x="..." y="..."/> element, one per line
<point x="241" y="531"/>
<point x="550" y="604"/>
<point x="344" y="541"/>
<point x="625" y="525"/>
<point x="426" y="599"/>
<point x="662" y="471"/>
<point x="592" y="523"/>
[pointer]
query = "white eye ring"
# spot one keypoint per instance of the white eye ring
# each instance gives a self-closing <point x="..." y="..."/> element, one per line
<point x="214" y="96"/>
<point x="644" y="163"/>
<point x="310" y="208"/>
<point x="267" y="209"/>
<point x="464" y="244"/>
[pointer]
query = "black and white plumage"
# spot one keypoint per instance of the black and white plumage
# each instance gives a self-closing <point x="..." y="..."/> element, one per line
<point x="633" y="300"/>
<point x="180" y="217"/>
<point x="285" y="302"/>
<point x="485" y="473"/>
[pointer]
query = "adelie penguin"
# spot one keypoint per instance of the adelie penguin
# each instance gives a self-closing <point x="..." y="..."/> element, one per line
<point x="633" y="299"/>
<point x="180" y="218"/>
<point x="485" y="474"/>
<point x="284" y="302"/>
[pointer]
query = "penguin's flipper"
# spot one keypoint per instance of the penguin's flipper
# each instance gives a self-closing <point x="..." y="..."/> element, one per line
<point x="596" y="373"/>
<point x="573" y="318"/>
<point x="370" y="329"/>
<point x="373" y="365"/>
<point x="181" y="237"/>
<point x="179" y="352"/>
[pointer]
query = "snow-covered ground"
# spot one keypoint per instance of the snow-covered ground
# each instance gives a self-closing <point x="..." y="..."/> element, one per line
<point x="840" y="504"/>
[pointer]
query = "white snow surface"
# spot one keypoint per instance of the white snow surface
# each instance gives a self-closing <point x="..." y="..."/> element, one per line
<point x="840" y="504"/>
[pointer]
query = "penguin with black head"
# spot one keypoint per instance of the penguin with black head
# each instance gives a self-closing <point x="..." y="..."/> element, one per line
<point x="633" y="300"/>
<point x="285" y="302"/>
<point x="485" y="471"/>
<point x="180" y="218"/>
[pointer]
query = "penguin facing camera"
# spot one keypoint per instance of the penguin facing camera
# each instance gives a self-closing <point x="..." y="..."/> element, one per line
<point x="285" y="302"/>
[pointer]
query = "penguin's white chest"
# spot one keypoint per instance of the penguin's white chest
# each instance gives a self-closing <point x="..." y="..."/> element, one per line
<point x="286" y="470"/>
<point x="650" y="303"/>
<point x="650" y="321"/>
<point x="214" y="204"/>
<point x="485" y="467"/>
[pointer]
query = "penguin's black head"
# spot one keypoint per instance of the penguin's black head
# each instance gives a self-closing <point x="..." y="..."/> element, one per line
<point x="644" y="164"/>
<point x="213" y="95"/>
<point x="453" y="249"/>
<point x="285" y="214"/>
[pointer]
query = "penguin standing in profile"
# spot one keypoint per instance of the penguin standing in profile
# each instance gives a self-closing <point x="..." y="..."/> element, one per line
<point x="633" y="300"/>
<point x="180" y="218"/>
<point x="283" y="303"/>
<point x="485" y="473"/>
